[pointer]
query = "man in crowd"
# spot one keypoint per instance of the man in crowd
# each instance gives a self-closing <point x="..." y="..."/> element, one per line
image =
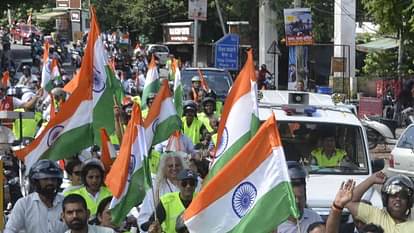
<point x="76" y="215"/>
<point x="328" y="155"/>
<point x="192" y="126"/>
<point x="39" y="212"/>
<point x="73" y="168"/>
<point x="297" y="176"/>
<point x="172" y="204"/>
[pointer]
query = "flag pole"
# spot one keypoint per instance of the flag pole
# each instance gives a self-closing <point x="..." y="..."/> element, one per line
<point x="117" y="121"/>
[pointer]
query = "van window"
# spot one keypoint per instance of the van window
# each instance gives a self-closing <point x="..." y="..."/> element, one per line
<point x="325" y="148"/>
<point x="407" y="139"/>
<point x="159" y="49"/>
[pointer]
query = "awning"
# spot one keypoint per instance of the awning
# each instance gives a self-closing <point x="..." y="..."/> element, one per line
<point x="378" y="45"/>
<point x="50" y="15"/>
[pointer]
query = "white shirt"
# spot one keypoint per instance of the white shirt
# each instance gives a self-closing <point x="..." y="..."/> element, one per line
<point x="32" y="215"/>
<point x="309" y="216"/>
<point x="96" y="229"/>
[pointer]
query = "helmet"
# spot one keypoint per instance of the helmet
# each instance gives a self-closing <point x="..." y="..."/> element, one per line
<point x="296" y="172"/>
<point x="190" y="105"/>
<point x="396" y="184"/>
<point x="208" y="99"/>
<point x="44" y="169"/>
<point x="179" y="225"/>
<point x="26" y="67"/>
<point x="195" y="79"/>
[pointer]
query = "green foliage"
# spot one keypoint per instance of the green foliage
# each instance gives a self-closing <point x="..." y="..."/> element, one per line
<point x="380" y="64"/>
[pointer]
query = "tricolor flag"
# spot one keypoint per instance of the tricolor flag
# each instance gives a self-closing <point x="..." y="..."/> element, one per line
<point x="203" y="81"/>
<point x="152" y="82"/>
<point x="46" y="68"/>
<point x="251" y="193"/>
<point x="108" y="152"/>
<point x="178" y="88"/>
<point x="162" y="119"/>
<point x="5" y="80"/>
<point x="105" y="87"/>
<point x="127" y="178"/>
<point x="52" y="74"/>
<point x="239" y="121"/>
<point x="70" y="131"/>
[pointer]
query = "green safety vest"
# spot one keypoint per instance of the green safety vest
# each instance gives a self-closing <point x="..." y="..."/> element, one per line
<point x="173" y="208"/>
<point x="206" y="121"/>
<point x="219" y="109"/>
<point x="214" y="139"/>
<point x="323" y="161"/>
<point x="30" y="126"/>
<point x="193" y="131"/>
<point x="90" y="202"/>
<point x="154" y="161"/>
<point x="144" y="113"/>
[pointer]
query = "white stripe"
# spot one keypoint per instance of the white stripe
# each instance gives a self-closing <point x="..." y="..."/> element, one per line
<point x="139" y="151"/>
<point x="177" y="79"/>
<point x="167" y="110"/>
<point x="100" y="60"/>
<point x="238" y="121"/>
<point x="273" y="168"/>
<point x="45" y="73"/>
<point x="81" y="117"/>
<point x="152" y="75"/>
<point x="253" y="91"/>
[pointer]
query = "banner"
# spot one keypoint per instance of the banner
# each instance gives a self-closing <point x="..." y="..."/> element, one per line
<point x="292" y="80"/>
<point x="298" y="26"/>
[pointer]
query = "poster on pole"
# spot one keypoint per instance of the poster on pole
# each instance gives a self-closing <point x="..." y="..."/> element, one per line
<point x="298" y="26"/>
<point x="197" y="9"/>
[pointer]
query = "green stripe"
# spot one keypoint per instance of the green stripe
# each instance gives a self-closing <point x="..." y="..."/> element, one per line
<point x="178" y="100"/>
<point x="135" y="195"/>
<point x="70" y="143"/>
<point x="103" y="112"/>
<point x="165" y="129"/>
<point x="254" y="125"/>
<point x="270" y="211"/>
<point x="153" y="87"/>
<point x="227" y="156"/>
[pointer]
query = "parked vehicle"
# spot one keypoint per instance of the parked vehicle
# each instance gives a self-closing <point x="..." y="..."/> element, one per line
<point x="380" y="131"/>
<point x="303" y="120"/>
<point x="23" y="33"/>
<point x="218" y="80"/>
<point x="161" y="51"/>
<point x="402" y="156"/>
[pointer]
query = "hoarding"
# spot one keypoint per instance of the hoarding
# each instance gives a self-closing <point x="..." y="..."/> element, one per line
<point x="298" y="26"/>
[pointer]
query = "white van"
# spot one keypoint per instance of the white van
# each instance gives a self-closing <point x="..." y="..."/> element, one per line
<point x="303" y="118"/>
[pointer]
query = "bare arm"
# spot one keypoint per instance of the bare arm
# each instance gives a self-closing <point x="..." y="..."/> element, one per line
<point x="376" y="178"/>
<point x="343" y="196"/>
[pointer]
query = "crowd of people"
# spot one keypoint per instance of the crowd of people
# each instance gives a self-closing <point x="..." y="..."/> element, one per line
<point x="178" y="167"/>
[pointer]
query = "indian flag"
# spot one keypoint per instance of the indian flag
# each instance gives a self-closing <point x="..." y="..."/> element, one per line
<point x="178" y="88"/>
<point x="152" y="82"/>
<point x="162" y="119"/>
<point x="54" y="74"/>
<point x="127" y="178"/>
<point x="251" y="193"/>
<point x="239" y="121"/>
<point x="105" y="87"/>
<point x="70" y="131"/>
<point x="108" y="152"/>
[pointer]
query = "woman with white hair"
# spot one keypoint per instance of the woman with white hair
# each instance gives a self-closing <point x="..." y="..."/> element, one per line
<point x="166" y="181"/>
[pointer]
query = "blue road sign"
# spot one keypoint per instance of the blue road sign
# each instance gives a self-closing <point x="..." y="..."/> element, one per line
<point x="227" y="52"/>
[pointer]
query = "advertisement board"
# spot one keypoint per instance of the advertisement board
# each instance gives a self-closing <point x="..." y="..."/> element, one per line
<point x="197" y="9"/>
<point x="298" y="26"/>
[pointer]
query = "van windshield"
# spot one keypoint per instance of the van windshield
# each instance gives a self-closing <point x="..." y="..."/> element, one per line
<point x="325" y="148"/>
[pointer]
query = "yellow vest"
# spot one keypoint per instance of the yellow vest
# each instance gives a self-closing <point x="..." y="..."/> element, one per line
<point x="206" y="121"/>
<point x="219" y="109"/>
<point x="30" y="126"/>
<point x="173" y="208"/>
<point x="323" y="161"/>
<point x="144" y="113"/>
<point x="214" y="139"/>
<point x="192" y="131"/>
<point x="90" y="202"/>
<point x="154" y="161"/>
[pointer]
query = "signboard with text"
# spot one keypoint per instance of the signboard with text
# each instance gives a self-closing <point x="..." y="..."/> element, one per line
<point x="298" y="26"/>
<point x="178" y="33"/>
<point x="227" y="52"/>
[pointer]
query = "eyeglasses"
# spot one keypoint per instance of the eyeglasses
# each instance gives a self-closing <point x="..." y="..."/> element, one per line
<point x="191" y="183"/>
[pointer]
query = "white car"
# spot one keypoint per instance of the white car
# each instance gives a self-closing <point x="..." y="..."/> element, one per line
<point x="161" y="51"/>
<point x="303" y="120"/>
<point x="402" y="156"/>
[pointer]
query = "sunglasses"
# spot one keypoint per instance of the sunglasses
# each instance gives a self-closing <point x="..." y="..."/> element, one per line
<point x="191" y="183"/>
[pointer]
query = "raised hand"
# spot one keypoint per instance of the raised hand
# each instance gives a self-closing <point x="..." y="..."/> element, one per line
<point x="344" y="194"/>
<point x="378" y="177"/>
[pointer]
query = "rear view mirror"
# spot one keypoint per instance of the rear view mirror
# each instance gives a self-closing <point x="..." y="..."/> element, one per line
<point x="377" y="165"/>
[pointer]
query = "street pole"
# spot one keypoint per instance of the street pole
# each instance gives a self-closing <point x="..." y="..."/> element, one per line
<point x="300" y="65"/>
<point x="223" y="28"/>
<point x="195" y="42"/>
